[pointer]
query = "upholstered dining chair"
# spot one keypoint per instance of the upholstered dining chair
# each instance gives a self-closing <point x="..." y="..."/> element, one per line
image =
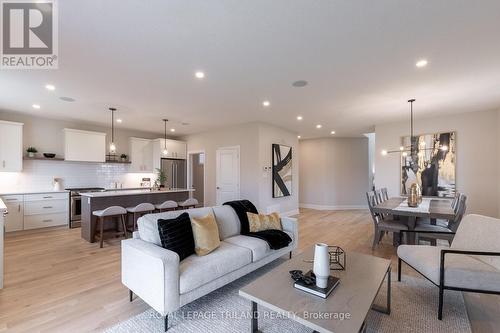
<point x="447" y="229"/>
<point x="471" y="264"/>
<point x="382" y="225"/>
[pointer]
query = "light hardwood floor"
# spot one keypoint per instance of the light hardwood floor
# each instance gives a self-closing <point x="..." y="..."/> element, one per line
<point x="57" y="282"/>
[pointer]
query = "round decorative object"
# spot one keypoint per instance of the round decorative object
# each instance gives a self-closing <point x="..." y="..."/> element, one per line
<point x="321" y="265"/>
<point x="49" y="155"/>
<point x="415" y="195"/>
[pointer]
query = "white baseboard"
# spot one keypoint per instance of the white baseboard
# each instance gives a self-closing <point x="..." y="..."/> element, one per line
<point x="326" y="207"/>
<point x="290" y="212"/>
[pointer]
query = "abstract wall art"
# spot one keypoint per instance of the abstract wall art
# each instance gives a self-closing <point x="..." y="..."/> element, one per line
<point x="431" y="165"/>
<point x="282" y="170"/>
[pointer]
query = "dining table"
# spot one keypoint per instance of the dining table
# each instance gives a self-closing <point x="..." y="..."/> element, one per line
<point x="431" y="208"/>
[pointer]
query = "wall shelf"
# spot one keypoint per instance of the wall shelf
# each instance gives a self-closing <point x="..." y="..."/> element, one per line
<point x="43" y="158"/>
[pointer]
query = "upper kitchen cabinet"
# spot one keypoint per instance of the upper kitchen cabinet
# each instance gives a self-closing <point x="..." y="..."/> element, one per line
<point x="84" y="146"/>
<point x="175" y="149"/>
<point x="141" y="155"/>
<point x="11" y="146"/>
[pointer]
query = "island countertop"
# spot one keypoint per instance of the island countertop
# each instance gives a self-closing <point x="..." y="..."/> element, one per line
<point x="118" y="192"/>
<point x="93" y="201"/>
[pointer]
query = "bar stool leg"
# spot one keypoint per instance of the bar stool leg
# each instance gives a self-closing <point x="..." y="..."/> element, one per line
<point x="124" y="226"/>
<point x="101" y="230"/>
<point x="135" y="222"/>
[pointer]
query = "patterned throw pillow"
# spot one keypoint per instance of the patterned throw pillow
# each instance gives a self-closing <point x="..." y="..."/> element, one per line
<point x="177" y="235"/>
<point x="206" y="234"/>
<point x="259" y="222"/>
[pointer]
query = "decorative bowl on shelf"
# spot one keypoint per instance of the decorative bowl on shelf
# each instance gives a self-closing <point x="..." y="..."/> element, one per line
<point x="49" y="155"/>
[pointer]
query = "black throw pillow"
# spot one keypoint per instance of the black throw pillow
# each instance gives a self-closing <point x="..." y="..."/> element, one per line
<point x="177" y="235"/>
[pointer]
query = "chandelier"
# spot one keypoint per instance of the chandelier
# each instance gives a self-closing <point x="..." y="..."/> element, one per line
<point x="414" y="148"/>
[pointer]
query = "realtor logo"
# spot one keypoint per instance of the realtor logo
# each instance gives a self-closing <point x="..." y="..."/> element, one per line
<point x="29" y="34"/>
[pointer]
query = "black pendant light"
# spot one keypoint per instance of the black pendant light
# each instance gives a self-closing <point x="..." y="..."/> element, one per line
<point x="112" y="145"/>
<point x="165" y="150"/>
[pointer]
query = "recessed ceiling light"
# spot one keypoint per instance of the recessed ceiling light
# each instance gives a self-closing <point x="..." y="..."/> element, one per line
<point x="172" y="130"/>
<point x="421" y="63"/>
<point x="36" y="106"/>
<point x="266" y="103"/>
<point x="50" y="87"/>
<point x="318" y="126"/>
<point x="299" y="117"/>
<point x="119" y="120"/>
<point x="298" y="136"/>
<point x="332" y="132"/>
<point x="199" y="75"/>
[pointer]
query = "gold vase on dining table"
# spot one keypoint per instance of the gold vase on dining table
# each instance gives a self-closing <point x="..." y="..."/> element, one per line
<point x="415" y="195"/>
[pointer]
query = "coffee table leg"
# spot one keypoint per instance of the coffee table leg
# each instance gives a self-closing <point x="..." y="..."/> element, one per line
<point x="255" y="321"/>
<point x="387" y="309"/>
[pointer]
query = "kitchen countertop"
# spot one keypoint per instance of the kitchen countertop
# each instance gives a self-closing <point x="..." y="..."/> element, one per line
<point x="121" y="192"/>
<point x="31" y="192"/>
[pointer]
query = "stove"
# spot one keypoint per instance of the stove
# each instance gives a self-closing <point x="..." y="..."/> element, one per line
<point x="75" y="205"/>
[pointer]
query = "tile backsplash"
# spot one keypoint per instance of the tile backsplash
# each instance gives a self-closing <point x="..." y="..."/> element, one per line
<point x="39" y="175"/>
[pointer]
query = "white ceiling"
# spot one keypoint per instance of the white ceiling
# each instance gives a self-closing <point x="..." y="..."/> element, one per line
<point x="358" y="57"/>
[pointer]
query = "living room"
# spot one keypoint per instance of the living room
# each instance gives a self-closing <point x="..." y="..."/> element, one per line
<point x="222" y="166"/>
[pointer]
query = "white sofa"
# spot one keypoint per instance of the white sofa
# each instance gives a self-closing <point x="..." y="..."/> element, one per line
<point x="156" y="276"/>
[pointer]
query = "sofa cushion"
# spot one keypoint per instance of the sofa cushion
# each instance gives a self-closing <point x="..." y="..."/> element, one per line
<point x="259" y="247"/>
<point x="259" y="222"/>
<point x="206" y="234"/>
<point x="227" y="220"/>
<point x="460" y="270"/>
<point x="196" y="271"/>
<point x="148" y="224"/>
<point x="177" y="235"/>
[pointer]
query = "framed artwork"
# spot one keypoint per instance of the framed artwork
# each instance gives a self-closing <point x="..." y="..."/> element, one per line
<point x="432" y="165"/>
<point x="282" y="170"/>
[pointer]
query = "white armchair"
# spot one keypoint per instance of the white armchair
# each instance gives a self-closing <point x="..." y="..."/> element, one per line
<point x="471" y="264"/>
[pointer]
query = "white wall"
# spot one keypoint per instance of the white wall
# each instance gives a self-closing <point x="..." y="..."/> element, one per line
<point x="255" y="140"/>
<point x="334" y="173"/>
<point x="477" y="168"/>
<point x="245" y="136"/>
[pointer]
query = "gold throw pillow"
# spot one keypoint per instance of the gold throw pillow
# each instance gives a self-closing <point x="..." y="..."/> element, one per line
<point x="259" y="222"/>
<point x="205" y="233"/>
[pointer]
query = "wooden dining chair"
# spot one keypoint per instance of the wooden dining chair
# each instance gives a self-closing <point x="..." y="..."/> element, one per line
<point x="385" y="194"/>
<point x="446" y="229"/>
<point x="382" y="225"/>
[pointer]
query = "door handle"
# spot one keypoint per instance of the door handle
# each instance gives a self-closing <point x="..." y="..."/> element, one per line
<point x="218" y="187"/>
<point x="47" y="207"/>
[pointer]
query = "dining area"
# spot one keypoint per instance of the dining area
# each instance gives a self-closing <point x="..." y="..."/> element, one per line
<point x="412" y="220"/>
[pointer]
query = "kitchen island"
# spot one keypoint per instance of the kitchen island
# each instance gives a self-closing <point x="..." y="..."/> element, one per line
<point x="93" y="201"/>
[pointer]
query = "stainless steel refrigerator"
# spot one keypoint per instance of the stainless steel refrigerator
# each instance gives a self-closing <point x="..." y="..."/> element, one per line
<point x="176" y="172"/>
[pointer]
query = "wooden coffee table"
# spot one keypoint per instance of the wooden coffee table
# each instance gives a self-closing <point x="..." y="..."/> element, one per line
<point x="346" y="308"/>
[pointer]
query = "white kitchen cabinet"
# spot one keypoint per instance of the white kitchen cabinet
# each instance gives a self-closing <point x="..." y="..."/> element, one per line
<point x="11" y="146"/>
<point x="176" y="149"/>
<point x="84" y="146"/>
<point x="15" y="207"/>
<point x="141" y="155"/>
<point x="45" y="210"/>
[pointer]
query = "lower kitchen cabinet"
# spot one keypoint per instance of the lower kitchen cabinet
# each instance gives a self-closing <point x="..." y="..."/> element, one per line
<point x="14" y="220"/>
<point x="32" y="211"/>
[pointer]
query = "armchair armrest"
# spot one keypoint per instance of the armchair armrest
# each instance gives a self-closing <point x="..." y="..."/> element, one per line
<point x="290" y="224"/>
<point x="444" y="252"/>
<point x="152" y="273"/>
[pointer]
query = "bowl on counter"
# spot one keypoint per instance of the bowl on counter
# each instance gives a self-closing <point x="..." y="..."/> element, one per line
<point x="49" y="155"/>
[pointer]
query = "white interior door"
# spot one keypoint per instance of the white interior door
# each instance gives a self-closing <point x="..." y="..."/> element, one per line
<point x="228" y="174"/>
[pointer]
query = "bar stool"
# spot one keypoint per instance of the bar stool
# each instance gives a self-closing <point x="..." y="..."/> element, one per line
<point x="110" y="212"/>
<point x="167" y="205"/>
<point x="140" y="210"/>
<point x="189" y="203"/>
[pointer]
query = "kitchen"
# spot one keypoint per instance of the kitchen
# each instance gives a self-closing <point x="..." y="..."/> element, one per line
<point x="43" y="189"/>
